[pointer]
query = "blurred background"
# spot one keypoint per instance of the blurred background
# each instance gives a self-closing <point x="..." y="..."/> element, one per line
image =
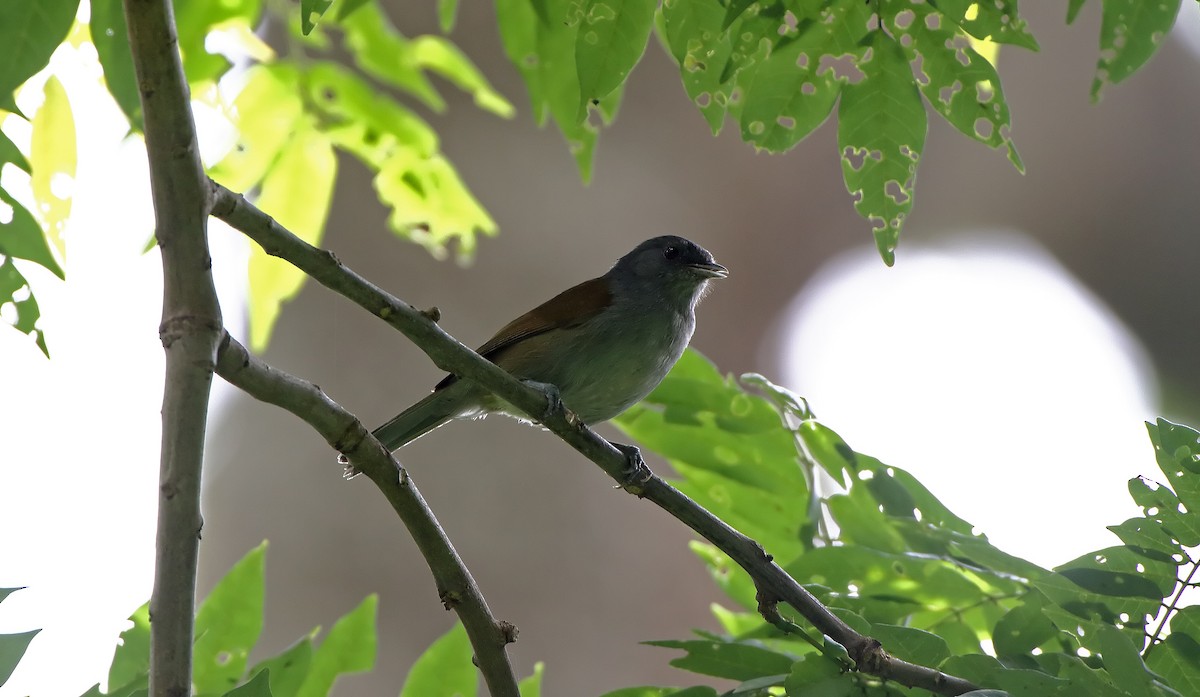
<point x="1029" y="326"/>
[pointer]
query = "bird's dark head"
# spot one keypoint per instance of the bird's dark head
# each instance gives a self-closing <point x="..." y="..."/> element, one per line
<point x="671" y="256"/>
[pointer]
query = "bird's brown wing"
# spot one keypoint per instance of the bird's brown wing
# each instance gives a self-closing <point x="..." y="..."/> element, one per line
<point x="569" y="308"/>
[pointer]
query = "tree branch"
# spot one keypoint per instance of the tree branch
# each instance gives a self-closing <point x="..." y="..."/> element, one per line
<point x="452" y="356"/>
<point x="456" y="588"/>
<point x="191" y="325"/>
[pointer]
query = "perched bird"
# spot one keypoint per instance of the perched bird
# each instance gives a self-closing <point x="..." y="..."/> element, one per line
<point x="602" y="345"/>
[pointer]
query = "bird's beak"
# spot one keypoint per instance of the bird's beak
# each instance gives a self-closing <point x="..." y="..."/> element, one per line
<point x="711" y="270"/>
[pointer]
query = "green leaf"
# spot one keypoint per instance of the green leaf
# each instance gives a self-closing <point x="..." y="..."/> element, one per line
<point x="1024" y="628"/>
<point x="196" y="19"/>
<point x="297" y="192"/>
<point x="995" y="21"/>
<point x="228" y="624"/>
<point x="881" y="131"/>
<point x="436" y="54"/>
<point x="288" y="669"/>
<point x="1122" y="572"/>
<point x="16" y="293"/>
<point x="349" y="648"/>
<point x="1124" y="664"/>
<point x="694" y="33"/>
<point x="817" y="676"/>
<point x="1130" y="33"/>
<point x="131" y="660"/>
<point x="1073" y="8"/>
<point x="447" y="13"/>
<point x="1177" y="659"/>
<point x="12" y="649"/>
<point x="52" y="153"/>
<point x="29" y="34"/>
<point x="913" y="645"/>
<point x="960" y="84"/>
<point x="9" y="152"/>
<point x="267" y="112"/>
<point x="258" y="686"/>
<point x="111" y="39"/>
<point x="1163" y="507"/>
<point x="731" y="660"/>
<point x="531" y="685"/>
<point x="791" y="92"/>
<point x="1147" y="535"/>
<point x="22" y="237"/>
<point x="383" y="52"/>
<point x="310" y="12"/>
<point x="445" y="669"/>
<point x="539" y="38"/>
<point x="1177" y="451"/>
<point x="611" y="39"/>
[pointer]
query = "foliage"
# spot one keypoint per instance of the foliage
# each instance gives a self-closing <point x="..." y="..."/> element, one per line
<point x="228" y="624"/>
<point x="892" y="561"/>
<point x="777" y="68"/>
<point x="293" y="113"/>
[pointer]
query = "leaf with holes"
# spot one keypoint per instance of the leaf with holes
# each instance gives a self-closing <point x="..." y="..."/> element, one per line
<point x="539" y="38"/>
<point x="16" y="294"/>
<point x="788" y="93"/>
<point x="996" y="21"/>
<point x="610" y="40"/>
<point x="228" y="623"/>
<point x="1130" y="33"/>
<point x="695" y="38"/>
<point x="1161" y="505"/>
<point x="1023" y="628"/>
<point x="22" y="237"/>
<point x="311" y="12"/>
<point x="1177" y="451"/>
<point x="52" y="154"/>
<point x="1124" y="664"/>
<point x="957" y="82"/>
<point x="785" y="98"/>
<point x="881" y="131"/>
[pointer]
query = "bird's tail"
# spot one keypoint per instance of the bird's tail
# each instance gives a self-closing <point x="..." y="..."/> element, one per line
<point x="421" y="418"/>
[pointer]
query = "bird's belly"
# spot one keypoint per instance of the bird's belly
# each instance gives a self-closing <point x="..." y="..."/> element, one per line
<point x="605" y="372"/>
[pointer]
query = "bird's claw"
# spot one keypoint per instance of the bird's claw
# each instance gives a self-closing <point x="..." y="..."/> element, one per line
<point x="636" y="472"/>
<point x="554" y="403"/>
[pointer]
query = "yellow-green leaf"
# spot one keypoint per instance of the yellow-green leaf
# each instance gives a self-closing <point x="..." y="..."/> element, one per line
<point x="296" y="192"/>
<point x="52" y="154"/>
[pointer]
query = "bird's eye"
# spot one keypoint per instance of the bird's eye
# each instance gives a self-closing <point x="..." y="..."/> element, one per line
<point x="671" y="252"/>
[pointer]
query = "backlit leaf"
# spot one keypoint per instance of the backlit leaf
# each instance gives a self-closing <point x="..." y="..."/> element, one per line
<point x="52" y="154"/>
<point x="111" y="39"/>
<point x="348" y="648"/>
<point x="297" y="192"/>
<point x="444" y="669"/>
<point x="611" y="39"/>
<point x="29" y="34"/>
<point x="881" y="132"/>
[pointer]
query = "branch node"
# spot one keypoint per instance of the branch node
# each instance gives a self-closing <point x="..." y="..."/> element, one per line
<point x="433" y="314"/>
<point x="450" y="599"/>
<point x="508" y="631"/>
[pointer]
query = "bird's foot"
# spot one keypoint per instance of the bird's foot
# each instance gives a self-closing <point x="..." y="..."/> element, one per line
<point x="554" y="403"/>
<point x="636" y="473"/>
<point x="349" y="471"/>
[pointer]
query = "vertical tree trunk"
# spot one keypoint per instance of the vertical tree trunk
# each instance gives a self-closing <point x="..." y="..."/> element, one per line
<point x="190" y="330"/>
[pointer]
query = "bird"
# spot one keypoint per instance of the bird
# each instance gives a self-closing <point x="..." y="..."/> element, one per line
<point x="598" y="347"/>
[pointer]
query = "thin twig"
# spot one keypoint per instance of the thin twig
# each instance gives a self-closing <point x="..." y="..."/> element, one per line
<point x="190" y="329"/>
<point x="449" y="354"/>
<point x="456" y="588"/>
<point x="1169" y="609"/>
